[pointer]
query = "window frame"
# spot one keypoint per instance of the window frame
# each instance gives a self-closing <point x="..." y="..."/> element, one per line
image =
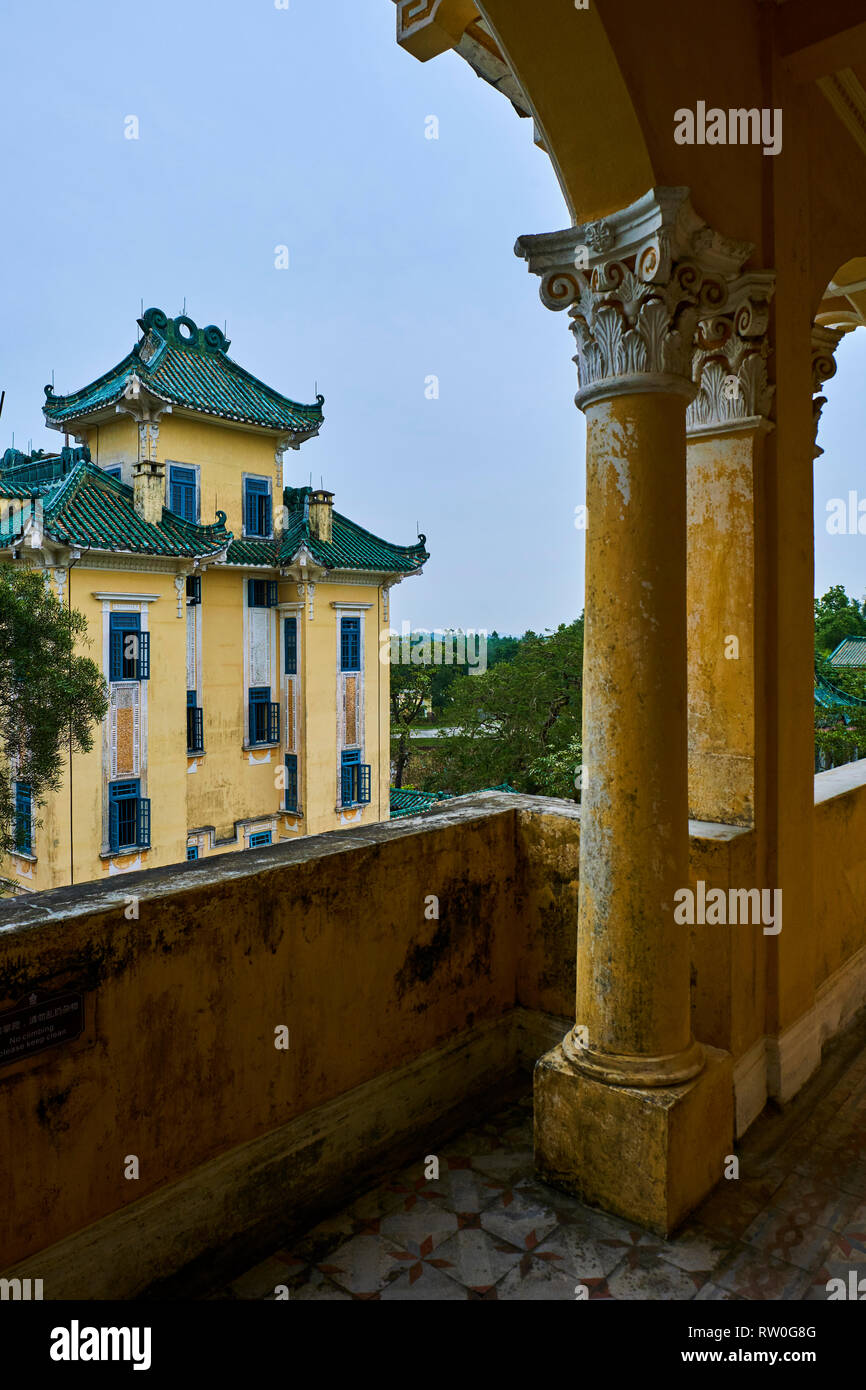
<point x="261" y="593"/>
<point x="194" y="724"/>
<point x="23" y="818"/>
<point x="290" y="648"/>
<point x="120" y="666"/>
<point x="259" y="487"/>
<point x="350" y="628"/>
<point x="191" y="481"/>
<point x="291" y="799"/>
<point x="140" y="816"/>
<point x="358" y="781"/>
<point x="259" y="699"/>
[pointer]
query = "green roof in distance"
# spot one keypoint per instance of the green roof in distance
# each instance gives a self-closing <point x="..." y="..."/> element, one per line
<point x="188" y="366"/>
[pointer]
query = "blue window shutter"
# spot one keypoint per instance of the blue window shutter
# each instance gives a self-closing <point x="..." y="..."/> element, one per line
<point x="257" y="507"/>
<point x="144" y="656"/>
<point x="115" y="655"/>
<point x="113" y="825"/>
<point x="260" y="714"/>
<point x="181" y="492"/>
<point x="346" y="789"/>
<point x="364" y="784"/>
<point x="351" y="758"/>
<point x="291" y="646"/>
<point x="193" y="589"/>
<point x="251" y="593"/>
<point x="272" y="593"/>
<point x="274" y="724"/>
<point x="23" y="818"/>
<point x="143" y="822"/>
<point x="192" y="851"/>
<point x="124" y="654"/>
<point x="291" y="781"/>
<point x="350" y="644"/>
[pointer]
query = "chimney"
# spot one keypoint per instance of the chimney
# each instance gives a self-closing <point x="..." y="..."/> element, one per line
<point x="322" y="514"/>
<point x="148" y="491"/>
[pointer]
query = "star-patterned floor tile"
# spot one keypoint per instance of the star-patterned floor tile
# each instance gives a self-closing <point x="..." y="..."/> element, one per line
<point x="476" y="1259"/>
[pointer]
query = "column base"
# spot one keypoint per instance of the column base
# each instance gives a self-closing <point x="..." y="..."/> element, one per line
<point x="647" y="1155"/>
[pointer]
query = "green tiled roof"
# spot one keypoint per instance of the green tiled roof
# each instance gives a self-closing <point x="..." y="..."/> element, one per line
<point x="830" y="696"/>
<point x="188" y="366"/>
<point x="406" y="802"/>
<point x="350" y="548"/>
<point x="86" y="507"/>
<point x="851" y="651"/>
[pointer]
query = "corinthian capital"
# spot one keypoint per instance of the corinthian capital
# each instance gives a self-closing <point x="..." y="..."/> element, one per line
<point x="636" y="285"/>
<point x="729" y="361"/>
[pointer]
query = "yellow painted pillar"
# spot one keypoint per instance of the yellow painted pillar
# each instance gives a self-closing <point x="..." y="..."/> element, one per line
<point x="632" y="958"/>
<point x="726" y="426"/>
<point x="631" y="1113"/>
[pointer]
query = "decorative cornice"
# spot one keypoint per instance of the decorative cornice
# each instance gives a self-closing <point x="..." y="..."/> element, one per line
<point x="105" y="597"/>
<point x="636" y="285"/>
<point x="824" y="344"/>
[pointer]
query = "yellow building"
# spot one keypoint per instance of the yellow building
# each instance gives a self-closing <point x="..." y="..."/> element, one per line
<point x="236" y="622"/>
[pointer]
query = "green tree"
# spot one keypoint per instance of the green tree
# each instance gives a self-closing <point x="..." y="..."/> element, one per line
<point x="410" y="690"/>
<point x="837" y="616"/>
<point x="519" y="721"/>
<point x="50" y="696"/>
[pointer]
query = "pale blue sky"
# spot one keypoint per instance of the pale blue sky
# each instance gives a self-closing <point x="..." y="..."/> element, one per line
<point x="305" y="127"/>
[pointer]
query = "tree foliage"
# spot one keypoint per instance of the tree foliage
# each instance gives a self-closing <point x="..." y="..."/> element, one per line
<point x="410" y="690"/>
<point x="519" y="721"/>
<point x="837" y="616"/>
<point x="50" y="695"/>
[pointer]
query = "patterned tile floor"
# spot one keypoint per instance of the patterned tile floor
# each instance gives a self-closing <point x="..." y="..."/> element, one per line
<point x="488" y="1229"/>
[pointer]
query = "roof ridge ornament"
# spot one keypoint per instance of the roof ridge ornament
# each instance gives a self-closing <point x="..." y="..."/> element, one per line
<point x="182" y="331"/>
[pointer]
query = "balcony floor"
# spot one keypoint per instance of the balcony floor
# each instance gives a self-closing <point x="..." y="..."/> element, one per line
<point x="488" y="1229"/>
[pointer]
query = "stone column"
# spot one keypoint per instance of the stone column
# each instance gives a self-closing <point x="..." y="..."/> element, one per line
<point x="632" y="1113"/>
<point x="726" y="425"/>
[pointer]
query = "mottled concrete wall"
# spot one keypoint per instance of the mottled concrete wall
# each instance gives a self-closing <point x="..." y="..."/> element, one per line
<point x="327" y="936"/>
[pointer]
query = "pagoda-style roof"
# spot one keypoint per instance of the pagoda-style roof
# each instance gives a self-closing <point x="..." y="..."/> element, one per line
<point x="851" y="651"/>
<point x="350" y="548"/>
<point x="830" y="696"/>
<point x="187" y="366"/>
<point x="83" y="506"/>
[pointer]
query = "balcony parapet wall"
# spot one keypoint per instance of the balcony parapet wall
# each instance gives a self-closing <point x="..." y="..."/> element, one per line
<point x="396" y="1018"/>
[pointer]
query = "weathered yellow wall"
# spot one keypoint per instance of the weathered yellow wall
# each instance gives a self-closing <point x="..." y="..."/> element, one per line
<point x="332" y="935"/>
<point x="840" y="867"/>
<point x="223" y="456"/>
<point x="165" y="782"/>
<point x="187" y="997"/>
